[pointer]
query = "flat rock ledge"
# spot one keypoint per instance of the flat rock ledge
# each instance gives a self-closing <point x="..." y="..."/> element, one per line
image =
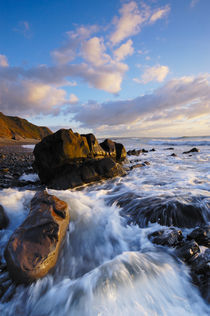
<point x="33" y="249"/>
<point x="66" y="159"/>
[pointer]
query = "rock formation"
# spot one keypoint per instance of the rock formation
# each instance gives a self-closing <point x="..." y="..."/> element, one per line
<point x="33" y="249"/>
<point x="66" y="159"/>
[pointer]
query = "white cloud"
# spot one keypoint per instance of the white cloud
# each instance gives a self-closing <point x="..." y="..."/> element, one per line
<point x="94" y="52"/>
<point x="159" y="14"/>
<point x="3" y="61"/>
<point x="156" y="73"/>
<point x="185" y="98"/>
<point x="73" y="99"/>
<point x="129" y="22"/>
<point x="124" y="50"/>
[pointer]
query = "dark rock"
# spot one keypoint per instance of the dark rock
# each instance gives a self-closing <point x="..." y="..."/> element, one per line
<point x="4" y="221"/>
<point x="144" y="151"/>
<point x="33" y="249"/>
<point x="70" y="176"/>
<point x="201" y="235"/>
<point x="166" y="237"/>
<point x="193" y="150"/>
<point x="66" y="159"/>
<point x="153" y="149"/>
<point x="134" y="152"/>
<point x="169" y="148"/>
<point x="147" y="163"/>
<point x="114" y="150"/>
<point x="188" y="251"/>
<point x="200" y="272"/>
<point x="173" y="155"/>
<point x="164" y="211"/>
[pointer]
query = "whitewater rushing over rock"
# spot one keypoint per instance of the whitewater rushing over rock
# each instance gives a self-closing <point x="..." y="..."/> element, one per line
<point x="108" y="265"/>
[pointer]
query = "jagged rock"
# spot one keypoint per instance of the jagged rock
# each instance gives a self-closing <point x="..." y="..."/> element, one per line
<point x="193" y="150"/>
<point x="4" y="220"/>
<point x="173" y="155"/>
<point x="113" y="149"/>
<point x="33" y="249"/>
<point x="170" y="237"/>
<point x="65" y="159"/>
<point x="201" y="235"/>
<point x="188" y="251"/>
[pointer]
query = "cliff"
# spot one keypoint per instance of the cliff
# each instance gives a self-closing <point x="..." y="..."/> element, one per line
<point x="13" y="127"/>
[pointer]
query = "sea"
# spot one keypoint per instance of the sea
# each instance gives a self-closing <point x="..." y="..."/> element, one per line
<point x="108" y="266"/>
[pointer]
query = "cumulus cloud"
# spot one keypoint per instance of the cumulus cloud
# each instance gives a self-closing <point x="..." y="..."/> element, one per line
<point x="124" y="50"/>
<point x="3" y="61"/>
<point x="181" y="98"/>
<point x="156" y="73"/>
<point x="26" y="97"/>
<point x="94" y="52"/>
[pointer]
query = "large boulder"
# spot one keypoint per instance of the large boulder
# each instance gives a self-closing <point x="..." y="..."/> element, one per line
<point x="65" y="160"/>
<point x="33" y="249"/>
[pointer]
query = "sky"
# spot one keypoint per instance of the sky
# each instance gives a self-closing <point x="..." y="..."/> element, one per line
<point x="113" y="68"/>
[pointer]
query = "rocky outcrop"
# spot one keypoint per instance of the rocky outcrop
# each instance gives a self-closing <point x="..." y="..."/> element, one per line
<point x="4" y="221"/>
<point x="13" y="127"/>
<point x="33" y="249"/>
<point x="66" y="159"/>
<point x="187" y="249"/>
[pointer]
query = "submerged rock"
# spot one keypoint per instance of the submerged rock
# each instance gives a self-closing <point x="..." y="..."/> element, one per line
<point x="33" y="249"/>
<point x="65" y="159"/>
<point x="164" y="211"/>
<point x="166" y="237"/>
<point x="193" y="150"/>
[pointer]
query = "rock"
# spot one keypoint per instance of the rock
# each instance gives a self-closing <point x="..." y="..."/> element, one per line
<point x="188" y="251"/>
<point x="200" y="272"/>
<point x="201" y="235"/>
<point x="4" y="221"/>
<point x="144" y="151"/>
<point x="138" y="165"/>
<point x="33" y="249"/>
<point x="173" y="155"/>
<point x="134" y="152"/>
<point x="71" y="176"/>
<point x="166" y="212"/>
<point x="193" y="150"/>
<point x="95" y="148"/>
<point x="65" y="159"/>
<point x="153" y="149"/>
<point x="169" y="148"/>
<point x="114" y="150"/>
<point x="166" y="237"/>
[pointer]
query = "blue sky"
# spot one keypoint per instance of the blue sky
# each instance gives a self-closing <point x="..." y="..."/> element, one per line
<point x="115" y="68"/>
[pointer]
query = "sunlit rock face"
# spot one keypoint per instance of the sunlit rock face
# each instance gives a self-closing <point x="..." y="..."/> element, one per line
<point x="33" y="249"/>
<point x="66" y="159"/>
